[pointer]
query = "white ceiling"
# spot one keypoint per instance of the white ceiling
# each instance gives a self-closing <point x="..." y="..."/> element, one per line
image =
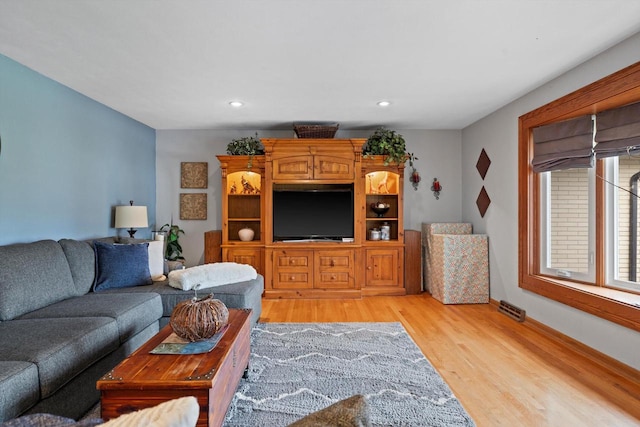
<point x="175" y="64"/>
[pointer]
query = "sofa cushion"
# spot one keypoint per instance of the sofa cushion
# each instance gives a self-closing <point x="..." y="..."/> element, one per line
<point x="121" y="266"/>
<point x="235" y="295"/>
<point x="50" y="420"/>
<point x="20" y="388"/>
<point x="32" y="276"/>
<point x="156" y="260"/>
<point x="180" y="412"/>
<point x="211" y="275"/>
<point x="82" y="262"/>
<point x="61" y="348"/>
<point x="132" y="312"/>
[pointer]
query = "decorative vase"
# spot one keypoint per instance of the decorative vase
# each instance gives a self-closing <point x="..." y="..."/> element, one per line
<point x="199" y="319"/>
<point x="246" y="234"/>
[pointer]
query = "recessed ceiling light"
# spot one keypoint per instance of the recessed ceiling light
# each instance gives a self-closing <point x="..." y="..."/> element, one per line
<point x="236" y="104"/>
<point x="383" y="103"/>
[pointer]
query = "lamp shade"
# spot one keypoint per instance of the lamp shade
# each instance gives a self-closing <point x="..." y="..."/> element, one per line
<point x="131" y="217"/>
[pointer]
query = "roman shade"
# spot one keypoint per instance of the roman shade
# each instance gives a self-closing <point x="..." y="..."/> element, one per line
<point x="618" y="131"/>
<point x="563" y="145"/>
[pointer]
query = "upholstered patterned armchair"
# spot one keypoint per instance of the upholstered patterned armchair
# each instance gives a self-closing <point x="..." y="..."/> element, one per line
<point x="456" y="263"/>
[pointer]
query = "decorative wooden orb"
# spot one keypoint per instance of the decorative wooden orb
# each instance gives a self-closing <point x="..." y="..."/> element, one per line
<point x="199" y="319"/>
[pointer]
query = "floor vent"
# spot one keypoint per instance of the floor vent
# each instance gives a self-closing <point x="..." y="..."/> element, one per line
<point x="512" y="311"/>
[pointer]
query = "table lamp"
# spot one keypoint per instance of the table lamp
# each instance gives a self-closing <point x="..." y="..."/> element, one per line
<point x="131" y="217"/>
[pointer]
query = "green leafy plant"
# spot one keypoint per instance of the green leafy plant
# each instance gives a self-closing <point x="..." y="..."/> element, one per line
<point x="173" y="250"/>
<point x="388" y="143"/>
<point x="248" y="146"/>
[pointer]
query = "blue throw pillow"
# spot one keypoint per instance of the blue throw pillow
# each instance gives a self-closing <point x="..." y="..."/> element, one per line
<point x="121" y="266"/>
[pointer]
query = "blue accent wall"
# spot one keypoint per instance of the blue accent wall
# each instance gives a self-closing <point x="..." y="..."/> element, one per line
<point x="66" y="161"/>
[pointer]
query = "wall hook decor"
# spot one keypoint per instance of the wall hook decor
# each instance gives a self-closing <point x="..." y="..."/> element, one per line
<point x="436" y="187"/>
<point x="415" y="179"/>
<point x="415" y="175"/>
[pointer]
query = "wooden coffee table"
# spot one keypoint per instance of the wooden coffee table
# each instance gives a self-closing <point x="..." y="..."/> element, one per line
<point x="143" y="380"/>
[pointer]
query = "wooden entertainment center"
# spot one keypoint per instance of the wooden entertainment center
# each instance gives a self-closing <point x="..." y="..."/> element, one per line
<point x="344" y="268"/>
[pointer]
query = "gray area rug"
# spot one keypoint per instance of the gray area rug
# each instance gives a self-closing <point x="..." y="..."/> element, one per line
<point x="299" y="368"/>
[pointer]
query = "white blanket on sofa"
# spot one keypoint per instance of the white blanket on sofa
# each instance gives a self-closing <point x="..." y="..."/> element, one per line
<point x="211" y="275"/>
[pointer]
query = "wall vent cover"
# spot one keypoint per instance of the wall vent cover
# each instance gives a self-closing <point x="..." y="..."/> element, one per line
<point x="512" y="311"/>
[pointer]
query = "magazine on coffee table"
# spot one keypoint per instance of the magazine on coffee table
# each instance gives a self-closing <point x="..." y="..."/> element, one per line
<point x="173" y="344"/>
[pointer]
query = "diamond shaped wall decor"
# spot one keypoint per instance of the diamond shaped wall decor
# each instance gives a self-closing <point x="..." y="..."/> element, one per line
<point x="483" y="163"/>
<point x="483" y="201"/>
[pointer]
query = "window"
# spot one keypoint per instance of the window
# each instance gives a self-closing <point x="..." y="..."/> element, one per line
<point x="567" y="221"/>
<point x="576" y="235"/>
<point x="622" y="176"/>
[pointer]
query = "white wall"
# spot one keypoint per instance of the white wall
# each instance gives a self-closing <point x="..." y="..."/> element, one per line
<point x="176" y="146"/>
<point x="498" y="135"/>
<point x="439" y="154"/>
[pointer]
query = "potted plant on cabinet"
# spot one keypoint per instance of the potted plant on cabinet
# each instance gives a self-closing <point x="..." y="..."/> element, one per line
<point x="388" y="143"/>
<point x="247" y="146"/>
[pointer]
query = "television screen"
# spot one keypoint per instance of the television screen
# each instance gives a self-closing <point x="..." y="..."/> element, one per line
<point x="320" y="213"/>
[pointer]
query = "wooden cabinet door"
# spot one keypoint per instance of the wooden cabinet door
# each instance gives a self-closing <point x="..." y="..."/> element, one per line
<point x="332" y="167"/>
<point x="294" y="167"/>
<point x="334" y="270"/>
<point x="212" y="246"/>
<point x="251" y="256"/>
<point x="382" y="267"/>
<point x="292" y="269"/>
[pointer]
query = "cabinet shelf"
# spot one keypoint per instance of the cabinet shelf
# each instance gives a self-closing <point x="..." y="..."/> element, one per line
<point x="244" y="219"/>
<point x="383" y="186"/>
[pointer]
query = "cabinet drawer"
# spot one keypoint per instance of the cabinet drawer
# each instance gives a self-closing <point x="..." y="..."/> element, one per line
<point x="293" y="269"/>
<point x="334" y="260"/>
<point x="285" y="261"/>
<point x="292" y="280"/>
<point x="334" y="269"/>
<point x="334" y="280"/>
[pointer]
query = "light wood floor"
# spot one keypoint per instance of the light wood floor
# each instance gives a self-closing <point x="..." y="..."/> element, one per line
<point x="503" y="372"/>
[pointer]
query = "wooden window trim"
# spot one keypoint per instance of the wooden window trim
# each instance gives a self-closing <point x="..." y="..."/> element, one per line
<point x="615" y="90"/>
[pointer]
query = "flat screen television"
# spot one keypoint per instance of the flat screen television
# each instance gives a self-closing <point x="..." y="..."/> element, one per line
<point x="316" y="213"/>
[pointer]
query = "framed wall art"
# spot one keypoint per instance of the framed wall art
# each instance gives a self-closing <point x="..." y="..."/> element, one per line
<point x="194" y="175"/>
<point x="193" y="206"/>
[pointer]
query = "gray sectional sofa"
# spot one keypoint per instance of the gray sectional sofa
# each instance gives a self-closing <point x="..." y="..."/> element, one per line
<point x="58" y="336"/>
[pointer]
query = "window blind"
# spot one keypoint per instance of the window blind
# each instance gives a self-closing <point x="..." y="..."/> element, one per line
<point x="618" y="131"/>
<point x="563" y="145"/>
